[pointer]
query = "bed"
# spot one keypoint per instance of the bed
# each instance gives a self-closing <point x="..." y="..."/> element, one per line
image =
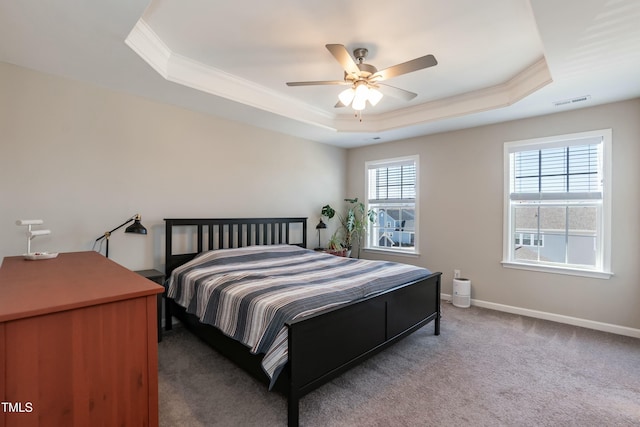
<point x="314" y="343"/>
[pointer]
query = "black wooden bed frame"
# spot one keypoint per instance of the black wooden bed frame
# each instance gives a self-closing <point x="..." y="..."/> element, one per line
<point x="321" y="346"/>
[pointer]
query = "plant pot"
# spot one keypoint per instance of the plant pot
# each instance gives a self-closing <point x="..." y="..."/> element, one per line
<point x="341" y="252"/>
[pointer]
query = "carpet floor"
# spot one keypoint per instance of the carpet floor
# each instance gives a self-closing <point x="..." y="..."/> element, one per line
<point x="487" y="368"/>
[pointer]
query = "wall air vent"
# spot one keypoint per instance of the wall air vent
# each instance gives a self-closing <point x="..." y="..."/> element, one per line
<point x="572" y="101"/>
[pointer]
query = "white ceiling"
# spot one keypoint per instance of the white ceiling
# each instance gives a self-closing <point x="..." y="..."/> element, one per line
<point x="497" y="59"/>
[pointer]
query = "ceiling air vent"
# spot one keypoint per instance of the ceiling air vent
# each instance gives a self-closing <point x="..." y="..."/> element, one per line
<point x="572" y="101"/>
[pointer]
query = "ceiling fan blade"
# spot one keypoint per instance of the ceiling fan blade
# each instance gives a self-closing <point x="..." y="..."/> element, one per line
<point x="344" y="58"/>
<point x="406" y="67"/>
<point x="325" y="82"/>
<point x="395" y="92"/>
<point x="339" y="104"/>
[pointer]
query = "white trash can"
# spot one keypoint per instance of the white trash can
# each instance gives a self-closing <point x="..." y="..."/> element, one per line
<point x="461" y="293"/>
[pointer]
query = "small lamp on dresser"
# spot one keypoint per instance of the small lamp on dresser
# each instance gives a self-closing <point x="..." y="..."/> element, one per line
<point x="136" y="228"/>
<point x="32" y="233"/>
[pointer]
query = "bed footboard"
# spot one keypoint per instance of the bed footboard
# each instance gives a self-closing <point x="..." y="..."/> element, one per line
<point x="323" y="346"/>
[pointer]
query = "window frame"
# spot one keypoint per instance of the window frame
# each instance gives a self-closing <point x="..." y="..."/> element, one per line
<point x="398" y="204"/>
<point x="602" y="268"/>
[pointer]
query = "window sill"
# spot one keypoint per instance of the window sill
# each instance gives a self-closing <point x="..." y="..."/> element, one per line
<point x="558" y="270"/>
<point x="392" y="252"/>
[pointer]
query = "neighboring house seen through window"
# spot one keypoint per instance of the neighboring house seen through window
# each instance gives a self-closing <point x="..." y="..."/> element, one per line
<point x="558" y="204"/>
<point x="392" y="193"/>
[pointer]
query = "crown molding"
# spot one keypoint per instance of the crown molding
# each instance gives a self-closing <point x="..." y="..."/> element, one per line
<point x="148" y="46"/>
<point x="187" y="72"/>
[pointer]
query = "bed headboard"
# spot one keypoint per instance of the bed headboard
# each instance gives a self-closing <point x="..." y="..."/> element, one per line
<point x="202" y="234"/>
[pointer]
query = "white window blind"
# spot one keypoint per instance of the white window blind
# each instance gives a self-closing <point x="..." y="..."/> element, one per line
<point x="572" y="172"/>
<point x="393" y="181"/>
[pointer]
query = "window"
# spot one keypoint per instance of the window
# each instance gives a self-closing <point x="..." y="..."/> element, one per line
<point x="392" y="194"/>
<point x="558" y="204"/>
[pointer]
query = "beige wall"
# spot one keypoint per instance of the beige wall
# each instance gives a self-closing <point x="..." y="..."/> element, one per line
<point x="461" y="209"/>
<point x="85" y="159"/>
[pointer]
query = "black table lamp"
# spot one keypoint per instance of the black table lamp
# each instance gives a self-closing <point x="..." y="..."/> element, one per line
<point x="319" y="227"/>
<point x="136" y="228"/>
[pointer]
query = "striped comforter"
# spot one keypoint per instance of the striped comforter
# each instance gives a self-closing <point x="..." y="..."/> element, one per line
<point x="249" y="293"/>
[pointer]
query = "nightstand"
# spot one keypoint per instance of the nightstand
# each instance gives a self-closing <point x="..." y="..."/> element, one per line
<point x="157" y="277"/>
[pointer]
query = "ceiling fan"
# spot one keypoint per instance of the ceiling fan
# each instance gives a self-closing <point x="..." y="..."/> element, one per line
<point x="364" y="79"/>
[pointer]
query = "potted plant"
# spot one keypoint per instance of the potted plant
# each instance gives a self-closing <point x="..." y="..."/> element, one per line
<point x="334" y="246"/>
<point x="353" y="223"/>
<point x="356" y="222"/>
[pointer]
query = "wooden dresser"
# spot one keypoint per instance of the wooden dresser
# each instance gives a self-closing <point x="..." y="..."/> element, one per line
<point x="78" y="343"/>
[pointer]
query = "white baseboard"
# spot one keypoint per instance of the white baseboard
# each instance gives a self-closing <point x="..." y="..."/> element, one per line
<point x="584" y="323"/>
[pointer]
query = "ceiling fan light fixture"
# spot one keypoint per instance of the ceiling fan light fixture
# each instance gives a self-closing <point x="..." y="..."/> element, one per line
<point x="374" y="96"/>
<point x="346" y="96"/>
<point x="361" y="96"/>
<point x="359" y="104"/>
